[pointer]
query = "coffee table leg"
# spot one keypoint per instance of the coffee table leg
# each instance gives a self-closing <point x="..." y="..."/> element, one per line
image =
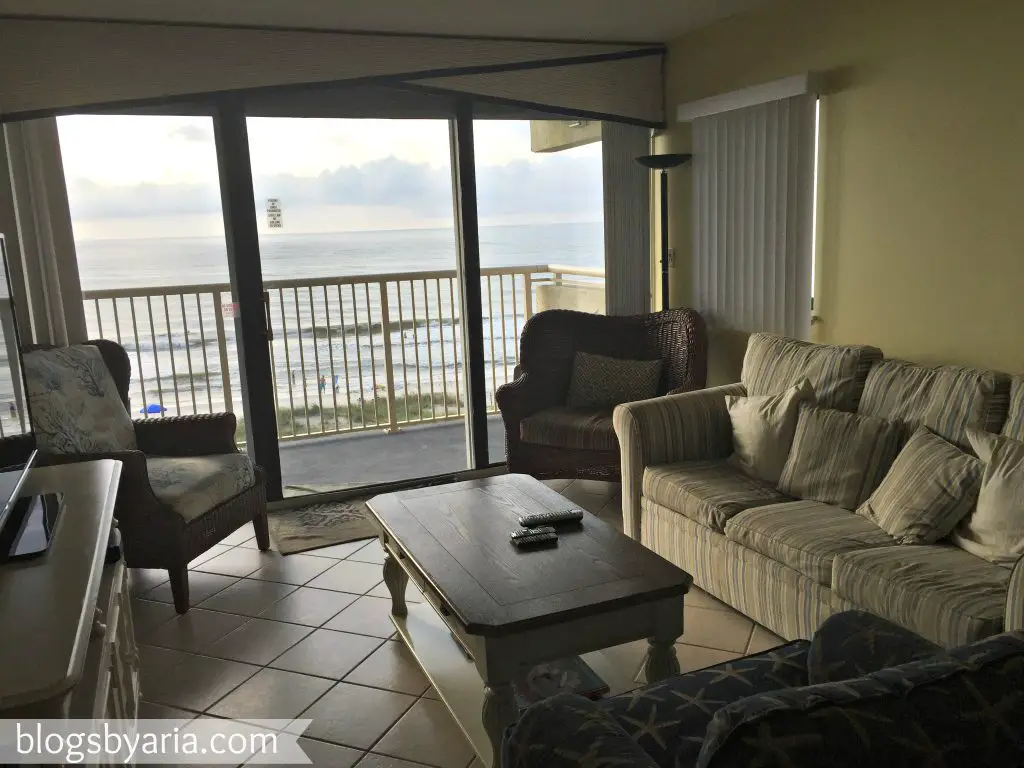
<point x="395" y="578"/>
<point x="499" y="712"/>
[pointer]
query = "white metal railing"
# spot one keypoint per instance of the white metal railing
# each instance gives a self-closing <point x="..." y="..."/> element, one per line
<point x="348" y="354"/>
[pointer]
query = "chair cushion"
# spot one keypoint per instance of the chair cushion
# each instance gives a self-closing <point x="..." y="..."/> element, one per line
<point x="193" y="485"/>
<point x="599" y="381"/>
<point x="773" y="364"/>
<point x="931" y="486"/>
<point x="707" y="492"/>
<point x="584" y="429"/>
<point x="74" y="402"/>
<point x="946" y="399"/>
<point x="943" y="593"/>
<point x="805" y="535"/>
<point x="838" y="457"/>
<point x="1014" y="425"/>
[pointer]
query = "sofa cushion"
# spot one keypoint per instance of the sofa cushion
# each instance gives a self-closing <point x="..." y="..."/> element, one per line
<point x="1013" y="427"/>
<point x="773" y="364"/>
<point x="74" y="402"/>
<point x="193" y="485"/>
<point x="599" y="381"/>
<point x="707" y="492"/>
<point x="763" y="427"/>
<point x="805" y="535"/>
<point x="945" y="399"/>
<point x="943" y="593"/>
<point x="838" y="457"/>
<point x="931" y="487"/>
<point x="584" y="429"/>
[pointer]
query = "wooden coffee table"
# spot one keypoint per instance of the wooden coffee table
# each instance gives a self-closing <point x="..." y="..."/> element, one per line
<point x="492" y="610"/>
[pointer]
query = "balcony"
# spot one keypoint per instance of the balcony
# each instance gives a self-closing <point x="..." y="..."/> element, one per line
<point x="368" y="371"/>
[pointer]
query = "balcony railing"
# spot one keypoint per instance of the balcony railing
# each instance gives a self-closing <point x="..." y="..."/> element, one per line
<point x="369" y="352"/>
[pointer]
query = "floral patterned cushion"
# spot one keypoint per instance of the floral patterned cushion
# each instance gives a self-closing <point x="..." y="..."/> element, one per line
<point x="193" y="485"/>
<point x="74" y="402"/>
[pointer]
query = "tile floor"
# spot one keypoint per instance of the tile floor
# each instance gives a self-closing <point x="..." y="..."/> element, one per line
<point x="309" y="635"/>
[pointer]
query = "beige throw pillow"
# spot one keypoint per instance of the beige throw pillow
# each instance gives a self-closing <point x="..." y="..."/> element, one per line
<point x="763" y="427"/>
<point x="838" y="458"/>
<point x="995" y="530"/>
<point x="931" y="487"/>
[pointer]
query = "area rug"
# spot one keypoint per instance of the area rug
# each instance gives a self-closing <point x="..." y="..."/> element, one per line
<point x="320" y="525"/>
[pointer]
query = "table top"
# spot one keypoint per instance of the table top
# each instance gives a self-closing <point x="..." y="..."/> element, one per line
<point x="457" y="537"/>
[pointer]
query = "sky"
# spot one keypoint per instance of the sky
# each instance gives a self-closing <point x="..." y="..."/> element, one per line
<point x="136" y="176"/>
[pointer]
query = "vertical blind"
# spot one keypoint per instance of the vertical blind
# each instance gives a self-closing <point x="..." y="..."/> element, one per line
<point x="627" y="231"/>
<point x="753" y="192"/>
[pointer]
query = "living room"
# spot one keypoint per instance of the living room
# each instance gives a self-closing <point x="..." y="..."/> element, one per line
<point x="912" y="255"/>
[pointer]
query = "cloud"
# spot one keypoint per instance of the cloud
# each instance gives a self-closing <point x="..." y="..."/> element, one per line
<point x="555" y="186"/>
<point x="196" y="133"/>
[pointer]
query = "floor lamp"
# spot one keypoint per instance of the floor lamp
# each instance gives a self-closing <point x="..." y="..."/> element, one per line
<point x="663" y="163"/>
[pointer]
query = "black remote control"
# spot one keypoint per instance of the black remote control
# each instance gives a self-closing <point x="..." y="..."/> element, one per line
<point x="551" y="518"/>
<point x="533" y="537"/>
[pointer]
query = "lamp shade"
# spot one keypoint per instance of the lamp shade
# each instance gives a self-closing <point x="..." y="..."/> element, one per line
<point x="661" y="162"/>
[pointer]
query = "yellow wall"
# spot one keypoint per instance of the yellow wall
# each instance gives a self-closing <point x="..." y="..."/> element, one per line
<point x="922" y="241"/>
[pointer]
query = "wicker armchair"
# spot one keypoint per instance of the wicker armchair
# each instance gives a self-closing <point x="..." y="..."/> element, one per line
<point x="153" y="533"/>
<point x="547" y="439"/>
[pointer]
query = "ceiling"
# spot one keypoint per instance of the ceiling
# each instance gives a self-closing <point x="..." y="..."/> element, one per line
<point x="626" y="20"/>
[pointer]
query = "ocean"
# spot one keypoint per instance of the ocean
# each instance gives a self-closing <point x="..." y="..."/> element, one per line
<point x="330" y="340"/>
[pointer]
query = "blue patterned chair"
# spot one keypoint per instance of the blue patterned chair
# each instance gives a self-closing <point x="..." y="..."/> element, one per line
<point x="863" y="692"/>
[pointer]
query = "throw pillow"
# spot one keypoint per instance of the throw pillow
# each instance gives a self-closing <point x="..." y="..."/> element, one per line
<point x="995" y="530"/>
<point x="931" y="487"/>
<point x="74" y="402"/>
<point x="763" y="427"/>
<point x="602" y="382"/>
<point x="837" y="457"/>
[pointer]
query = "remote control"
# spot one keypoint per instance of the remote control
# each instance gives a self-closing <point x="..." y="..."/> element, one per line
<point x="533" y="538"/>
<point x="551" y="518"/>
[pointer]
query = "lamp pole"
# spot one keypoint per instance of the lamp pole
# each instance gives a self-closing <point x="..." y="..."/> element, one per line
<point x="663" y="163"/>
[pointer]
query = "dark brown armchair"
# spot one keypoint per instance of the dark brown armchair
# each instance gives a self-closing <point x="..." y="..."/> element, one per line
<point x="154" y="531"/>
<point x="546" y="438"/>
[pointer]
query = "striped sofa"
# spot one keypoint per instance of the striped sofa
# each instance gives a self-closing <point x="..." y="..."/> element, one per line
<point x="790" y="563"/>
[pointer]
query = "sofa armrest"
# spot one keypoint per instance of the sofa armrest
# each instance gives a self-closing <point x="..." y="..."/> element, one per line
<point x="685" y="427"/>
<point x="1014" y="619"/>
<point x="203" y="434"/>
<point x="567" y="731"/>
<point x="856" y="643"/>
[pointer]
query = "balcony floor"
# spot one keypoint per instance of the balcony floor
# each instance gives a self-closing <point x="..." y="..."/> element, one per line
<point x="343" y="461"/>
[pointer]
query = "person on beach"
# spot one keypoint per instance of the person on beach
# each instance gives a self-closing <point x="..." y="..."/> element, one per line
<point x="323" y="384"/>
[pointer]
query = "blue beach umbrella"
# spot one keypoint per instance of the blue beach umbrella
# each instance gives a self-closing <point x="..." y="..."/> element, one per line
<point x="152" y="408"/>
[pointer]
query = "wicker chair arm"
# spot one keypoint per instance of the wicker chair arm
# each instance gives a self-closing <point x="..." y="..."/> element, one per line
<point x="521" y="398"/>
<point x="200" y="435"/>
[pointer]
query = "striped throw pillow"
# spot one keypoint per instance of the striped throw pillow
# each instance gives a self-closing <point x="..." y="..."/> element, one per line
<point x="838" y="458"/>
<point x="931" y="487"/>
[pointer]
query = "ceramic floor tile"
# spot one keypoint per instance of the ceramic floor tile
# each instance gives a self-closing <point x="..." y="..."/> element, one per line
<point x="309" y="606"/>
<point x="591" y="502"/>
<point x="142" y="580"/>
<point x="366" y="616"/>
<point x="212" y="552"/>
<point x="339" y="551"/>
<point x="150" y="711"/>
<point x="372" y="760"/>
<point x="258" y="641"/>
<point x="354" y="715"/>
<point x="763" y="640"/>
<point x="427" y="730"/>
<point x="271" y="694"/>
<point x="147" y="614"/>
<point x="475" y="763"/>
<point x="188" y="681"/>
<point x="597" y="487"/>
<point x="194" y="631"/>
<point x="371" y="553"/>
<point x="321" y="753"/>
<point x="200" y="586"/>
<point x="625" y="661"/>
<point x="412" y="592"/>
<point x="391" y="666"/>
<point x="698" y="598"/>
<point x="558" y="484"/>
<point x="293" y="569"/>
<point x="239" y="561"/>
<point x="243" y="534"/>
<point x="693" y="657"/>
<point x="724" y="630"/>
<point x="431" y="693"/>
<point x="328" y="654"/>
<point x="249" y="597"/>
<point x="349" y="576"/>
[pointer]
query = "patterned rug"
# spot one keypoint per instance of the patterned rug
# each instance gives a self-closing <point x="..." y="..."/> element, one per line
<point x="320" y="525"/>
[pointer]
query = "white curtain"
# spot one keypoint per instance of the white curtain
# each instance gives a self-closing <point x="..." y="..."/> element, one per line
<point x="753" y="192"/>
<point x="627" y="217"/>
<point x="38" y="236"/>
